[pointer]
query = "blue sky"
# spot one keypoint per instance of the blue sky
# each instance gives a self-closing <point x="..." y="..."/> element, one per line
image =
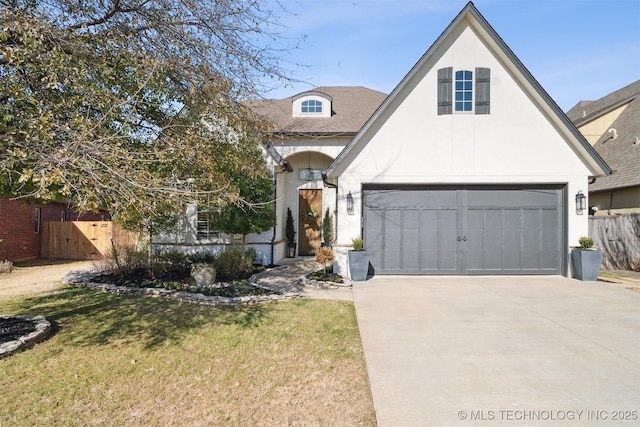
<point x="576" y="49"/>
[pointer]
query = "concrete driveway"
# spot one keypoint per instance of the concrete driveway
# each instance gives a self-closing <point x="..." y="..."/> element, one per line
<point x="500" y="351"/>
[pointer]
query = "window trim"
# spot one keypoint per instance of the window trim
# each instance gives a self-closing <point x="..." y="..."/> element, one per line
<point x="307" y="103"/>
<point x="463" y="88"/>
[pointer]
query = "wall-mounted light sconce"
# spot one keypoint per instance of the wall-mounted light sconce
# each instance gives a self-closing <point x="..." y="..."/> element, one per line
<point x="581" y="202"/>
<point x="349" y="203"/>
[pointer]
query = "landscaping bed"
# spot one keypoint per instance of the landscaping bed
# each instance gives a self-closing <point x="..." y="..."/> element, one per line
<point x="13" y="328"/>
<point x="181" y="281"/>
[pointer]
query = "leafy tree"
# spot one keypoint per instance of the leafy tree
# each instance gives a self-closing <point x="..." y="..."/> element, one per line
<point x="253" y="210"/>
<point x="132" y="105"/>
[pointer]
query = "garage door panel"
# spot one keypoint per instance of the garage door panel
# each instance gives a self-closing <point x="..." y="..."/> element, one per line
<point x="472" y="246"/>
<point x="512" y="198"/>
<point x="511" y="239"/>
<point x="410" y="240"/>
<point x="466" y="231"/>
<point x="428" y="236"/>
<point x="447" y="257"/>
<point x="373" y="235"/>
<point x="392" y="248"/>
<point x="550" y="239"/>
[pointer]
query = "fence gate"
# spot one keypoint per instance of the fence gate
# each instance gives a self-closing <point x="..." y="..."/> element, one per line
<point x="619" y="238"/>
<point x="82" y="240"/>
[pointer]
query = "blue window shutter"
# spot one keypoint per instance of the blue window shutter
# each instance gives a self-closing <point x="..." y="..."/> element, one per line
<point x="483" y="93"/>
<point x="445" y="90"/>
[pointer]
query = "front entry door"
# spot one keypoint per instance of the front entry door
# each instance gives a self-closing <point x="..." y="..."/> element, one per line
<point x="309" y="217"/>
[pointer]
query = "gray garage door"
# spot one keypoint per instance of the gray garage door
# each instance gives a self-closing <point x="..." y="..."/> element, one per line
<point x="465" y="230"/>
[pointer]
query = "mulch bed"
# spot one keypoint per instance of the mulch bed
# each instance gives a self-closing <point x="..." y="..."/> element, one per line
<point x="12" y="328"/>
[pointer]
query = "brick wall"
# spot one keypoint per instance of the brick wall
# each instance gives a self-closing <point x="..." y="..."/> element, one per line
<point x="19" y="239"/>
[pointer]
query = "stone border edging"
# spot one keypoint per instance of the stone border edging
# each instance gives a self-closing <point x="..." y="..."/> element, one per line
<point x="43" y="331"/>
<point x="83" y="279"/>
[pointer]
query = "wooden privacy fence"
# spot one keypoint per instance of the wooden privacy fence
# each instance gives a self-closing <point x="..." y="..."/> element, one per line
<point x="619" y="238"/>
<point x="82" y="240"/>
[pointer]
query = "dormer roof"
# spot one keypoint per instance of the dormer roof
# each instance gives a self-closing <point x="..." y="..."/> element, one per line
<point x="351" y="107"/>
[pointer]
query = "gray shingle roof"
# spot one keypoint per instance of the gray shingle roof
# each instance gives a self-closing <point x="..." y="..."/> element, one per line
<point x="622" y="154"/>
<point x="351" y="108"/>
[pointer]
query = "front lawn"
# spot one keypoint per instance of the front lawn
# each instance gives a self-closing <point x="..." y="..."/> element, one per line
<point x="121" y="360"/>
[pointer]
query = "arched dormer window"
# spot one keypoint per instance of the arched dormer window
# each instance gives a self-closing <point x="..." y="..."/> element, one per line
<point x="311" y="104"/>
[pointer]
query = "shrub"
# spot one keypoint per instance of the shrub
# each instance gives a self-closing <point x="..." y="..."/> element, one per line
<point x="123" y="261"/>
<point x="170" y="265"/>
<point x="585" y="242"/>
<point x="6" y="267"/>
<point x="235" y="263"/>
<point x="289" y="231"/>
<point x="357" y="243"/>
<point x="325" y="256"/>
<point x="635" y="264"/>
<point x="327" y="227"/>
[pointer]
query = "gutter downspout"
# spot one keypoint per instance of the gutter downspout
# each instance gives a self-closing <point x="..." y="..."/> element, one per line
<point x="286" y="168"/>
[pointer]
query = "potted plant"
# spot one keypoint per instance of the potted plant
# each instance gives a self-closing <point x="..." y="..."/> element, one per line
<point x="327" y="229"/>
<point x="358" y="261"/>
<point x="290" y="235"/>
<point x="586" y="260"/>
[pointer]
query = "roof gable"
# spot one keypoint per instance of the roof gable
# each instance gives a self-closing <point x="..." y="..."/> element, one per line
<point x="618" y="145"/>
<point x="470" y="18"/>
<point x="586" y="111"/>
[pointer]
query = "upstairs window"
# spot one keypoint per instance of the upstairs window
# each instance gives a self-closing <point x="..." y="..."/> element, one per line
<point x="464" y="91"/>
<point x="468" y="93"/>
<point x="312" y="106"/>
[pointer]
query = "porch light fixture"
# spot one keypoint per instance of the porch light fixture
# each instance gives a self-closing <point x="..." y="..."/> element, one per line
<point x="308" y="172"/>
<point x="349" y="203"/>
<point x="581" y="203"/>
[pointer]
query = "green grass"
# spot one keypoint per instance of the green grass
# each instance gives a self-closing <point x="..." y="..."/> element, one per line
<point x="119" y="360"/>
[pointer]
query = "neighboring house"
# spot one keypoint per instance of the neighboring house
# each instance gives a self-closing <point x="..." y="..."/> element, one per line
<point x="467" y="167"/>
<point x="612" y="126"/>
<point x="21" y="222"/>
